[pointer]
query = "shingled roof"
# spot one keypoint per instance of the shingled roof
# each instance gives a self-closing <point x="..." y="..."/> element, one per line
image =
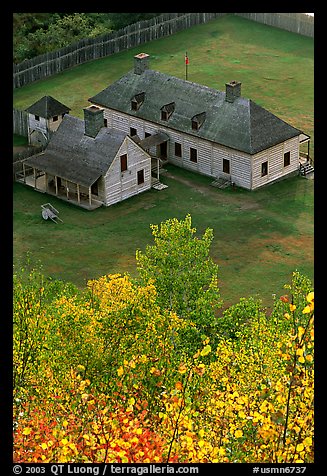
<point x="241" y="124"/>
<point x="76" y="157"/>
<point x="48" y="107"/>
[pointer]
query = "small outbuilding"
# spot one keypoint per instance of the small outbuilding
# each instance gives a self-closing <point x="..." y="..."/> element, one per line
<point x="44" y="117"/>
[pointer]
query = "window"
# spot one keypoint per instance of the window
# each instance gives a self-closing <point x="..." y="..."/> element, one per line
<point x="137" y="101"/>
<point x="226" y="166"/>
<point x="193" y="155"/>
<point x="37" y="118"/>
<point x="123" y="163"/>
<point x="132" y="131"/>
<point x="167" y="110"/>
<point x="105" y="122"/>
<point x="178" y="149"/>
<point x="55" y="118"/>
<point x="287" y="159"/>
<point x="264" y="169"/>
<point x="198" y="120"/>
<point x="140" y="177"/>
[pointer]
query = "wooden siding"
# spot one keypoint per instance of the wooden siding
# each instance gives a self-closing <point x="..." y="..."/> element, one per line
<point x="245" y="170"/>
<point x="37" y="125"/>
<point x="119" y="185"/>
<point x="210" y="155"/>
<point x="275" y="158"/>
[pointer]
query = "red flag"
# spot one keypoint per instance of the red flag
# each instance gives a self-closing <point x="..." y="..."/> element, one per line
<point x="186" y="59"/>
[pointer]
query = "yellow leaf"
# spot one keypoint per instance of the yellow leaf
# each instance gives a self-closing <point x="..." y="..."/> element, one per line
<point x="300" y="332"/>
<point x="299" y="447"/>
<point x="292" y="307"/>
<point x="182" y="369"/>
<point x="307" y="441"/>
<point x="44" y="446"/>
<point x="206" y="350"/>
<point x="27" y="431"/>
<point x="238" y="433"/>
<point x="120" y="371"/>
<point x="65" y="423"/>
<point x="306" y="310"/>
<point x="310" y="297"/>
<point x="64" y="441"/>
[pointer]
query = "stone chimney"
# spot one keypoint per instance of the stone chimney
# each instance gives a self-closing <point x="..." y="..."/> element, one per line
<point x="233" y="91"/>
<point x="93" y="120"/>
<point x="141" y="63"/>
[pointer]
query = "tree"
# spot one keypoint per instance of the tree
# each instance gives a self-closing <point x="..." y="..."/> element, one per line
<point x="185" y="277"/>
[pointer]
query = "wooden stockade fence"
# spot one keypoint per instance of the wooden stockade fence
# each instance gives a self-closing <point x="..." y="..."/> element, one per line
<point x="20" y="122"/>
<point x="296" y="22"/>
<point x="89" y="49"/>
<point x="136" y="34"/>
<point x="19" y="157"/>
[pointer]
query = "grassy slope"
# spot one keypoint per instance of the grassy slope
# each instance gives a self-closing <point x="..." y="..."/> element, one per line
<point x="260" y="237"/>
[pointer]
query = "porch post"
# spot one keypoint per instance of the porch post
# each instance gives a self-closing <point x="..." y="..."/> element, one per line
<point x="56" y="184"/>
<point x="90" y="198"/>
<point x="309" y="151"/>
<point x="24" y="171"/>
<point x="67" y="190"/>
<point x="158" y="168"/>
<point x="78" y="196"/>
<point x="34" y="171"/>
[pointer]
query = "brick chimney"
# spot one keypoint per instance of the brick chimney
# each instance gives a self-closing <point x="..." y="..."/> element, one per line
<point x="93" y="120"/>
<point x="141" y="63"/>
<point x="233" y="91"/>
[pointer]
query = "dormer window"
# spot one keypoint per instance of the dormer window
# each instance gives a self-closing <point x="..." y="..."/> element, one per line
<point x="137" y="101"/>
<point x="198" y="120"/>
<point x="167" y="110"/>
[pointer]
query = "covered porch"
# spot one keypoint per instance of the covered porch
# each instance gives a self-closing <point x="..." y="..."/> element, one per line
<point x="67" y="190"/>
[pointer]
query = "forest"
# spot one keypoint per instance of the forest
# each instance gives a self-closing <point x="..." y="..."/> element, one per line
<point x="38" y="33"/>
<point x="152" y="369"/>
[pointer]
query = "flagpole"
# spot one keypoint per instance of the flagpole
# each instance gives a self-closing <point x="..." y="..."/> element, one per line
<point x="186" y="64"/>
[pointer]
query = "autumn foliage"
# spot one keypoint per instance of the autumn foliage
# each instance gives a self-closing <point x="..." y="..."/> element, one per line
<point x="128" y="370"/>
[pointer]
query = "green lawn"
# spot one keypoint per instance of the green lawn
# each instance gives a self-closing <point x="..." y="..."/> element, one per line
<point x="260" y="237"/>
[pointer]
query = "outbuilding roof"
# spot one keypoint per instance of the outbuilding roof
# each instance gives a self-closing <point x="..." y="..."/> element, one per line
<point x="73" y="156"/>
<point x="48" y="107"/>
<point x="241" y="124"/>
